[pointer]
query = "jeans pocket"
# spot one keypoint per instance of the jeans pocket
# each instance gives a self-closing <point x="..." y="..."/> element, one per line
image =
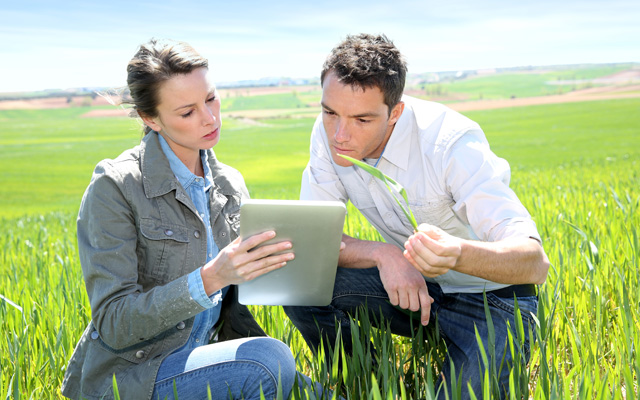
<point x="528" y="307"/>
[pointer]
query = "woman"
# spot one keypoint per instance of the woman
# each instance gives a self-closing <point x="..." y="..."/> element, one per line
<point x="157" y="237"/>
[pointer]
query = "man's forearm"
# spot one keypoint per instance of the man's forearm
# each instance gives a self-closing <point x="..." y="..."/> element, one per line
<point x="360" y="253"/>
<point x="506" y="261"/>
<point x="434" y="252"/>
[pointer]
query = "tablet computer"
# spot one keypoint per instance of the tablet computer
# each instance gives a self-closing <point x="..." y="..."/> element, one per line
<point x="315" y="231"/>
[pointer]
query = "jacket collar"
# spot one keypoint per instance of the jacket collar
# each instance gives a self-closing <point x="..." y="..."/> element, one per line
<point x="182" y="173"/>
<point x="158" y="178"/>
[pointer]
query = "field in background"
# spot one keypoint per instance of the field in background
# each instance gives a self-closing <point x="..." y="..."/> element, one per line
<point x="524" y="83"/>
<point x="463" y="91"/>
<point x="575" y="167"/>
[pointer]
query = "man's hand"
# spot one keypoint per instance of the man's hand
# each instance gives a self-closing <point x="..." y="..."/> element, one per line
<point x="404" y="284"/>
<point x="432" y="251"/>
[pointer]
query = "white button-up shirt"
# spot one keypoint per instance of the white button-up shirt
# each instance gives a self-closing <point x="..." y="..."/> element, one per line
<point x="452" y="178"/>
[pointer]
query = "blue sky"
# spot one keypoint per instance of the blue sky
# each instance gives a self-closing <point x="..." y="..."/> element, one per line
<point x="64" y="44"/>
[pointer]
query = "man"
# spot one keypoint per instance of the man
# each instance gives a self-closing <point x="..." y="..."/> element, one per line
<point x="475" y="236"/>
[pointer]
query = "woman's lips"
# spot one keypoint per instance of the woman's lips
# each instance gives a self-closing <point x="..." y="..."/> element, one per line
<point x="212" y="135"/>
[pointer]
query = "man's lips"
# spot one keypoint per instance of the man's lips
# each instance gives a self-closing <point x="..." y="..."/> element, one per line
<point x="341" y="150"/>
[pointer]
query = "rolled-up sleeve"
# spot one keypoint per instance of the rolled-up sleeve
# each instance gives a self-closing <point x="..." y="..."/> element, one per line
<point x="478" y="181"/>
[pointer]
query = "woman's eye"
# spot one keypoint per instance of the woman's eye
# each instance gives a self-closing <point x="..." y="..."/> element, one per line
<point x="187" y="114"/>
<point x="210" y="99"/>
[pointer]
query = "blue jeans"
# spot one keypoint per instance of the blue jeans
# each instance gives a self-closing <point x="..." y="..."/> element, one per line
<point x="457" y="315"/>
<point x="233" y="369"/>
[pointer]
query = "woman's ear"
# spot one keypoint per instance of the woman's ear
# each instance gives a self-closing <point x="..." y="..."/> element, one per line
<point x="151" y="122"/>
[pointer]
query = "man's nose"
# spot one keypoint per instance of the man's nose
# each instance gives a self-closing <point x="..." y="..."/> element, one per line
<point x="341" y="134"/>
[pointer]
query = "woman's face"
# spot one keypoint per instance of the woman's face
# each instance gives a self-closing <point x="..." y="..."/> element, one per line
<point x="188" y="113"/>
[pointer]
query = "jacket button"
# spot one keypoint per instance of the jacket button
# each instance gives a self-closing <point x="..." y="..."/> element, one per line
<point x="94" y="335"/>
<point x="224" y="234"/>
<point x="139" y="354"/>
<point x="196" y="234"/>
<point x="180" y="325"/>
<point x="168" y="232"/>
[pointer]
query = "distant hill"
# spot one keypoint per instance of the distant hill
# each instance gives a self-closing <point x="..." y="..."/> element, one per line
<point x="461" y="90"/>
<point x="548" y="80"/>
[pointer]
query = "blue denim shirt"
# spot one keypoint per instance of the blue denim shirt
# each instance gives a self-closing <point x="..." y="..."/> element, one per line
<point x="198" y="190"/>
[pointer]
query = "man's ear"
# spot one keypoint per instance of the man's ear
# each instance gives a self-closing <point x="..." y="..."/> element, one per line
<point x="396" y="112"/>
<point x="150" y="122"/>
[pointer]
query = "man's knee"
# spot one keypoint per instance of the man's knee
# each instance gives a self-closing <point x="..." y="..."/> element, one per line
<point x="305" y="318"/>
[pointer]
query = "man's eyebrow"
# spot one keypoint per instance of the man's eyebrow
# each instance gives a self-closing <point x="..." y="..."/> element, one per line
<point x="363" y="115"/>
<point x="325" y="106"/>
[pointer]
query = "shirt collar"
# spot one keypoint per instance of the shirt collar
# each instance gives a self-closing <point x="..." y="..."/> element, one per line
<point x="399" y="144"/>
<point x="182" y="173"/>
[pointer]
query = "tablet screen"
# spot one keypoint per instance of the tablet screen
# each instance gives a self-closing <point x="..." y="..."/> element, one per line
<point x="315" y="231"/>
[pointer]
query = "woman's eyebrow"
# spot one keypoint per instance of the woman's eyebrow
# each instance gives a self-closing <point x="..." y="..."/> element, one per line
<point x="211" y="93"/>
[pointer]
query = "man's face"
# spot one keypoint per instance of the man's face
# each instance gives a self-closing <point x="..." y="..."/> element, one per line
<point x="356" y="120"/>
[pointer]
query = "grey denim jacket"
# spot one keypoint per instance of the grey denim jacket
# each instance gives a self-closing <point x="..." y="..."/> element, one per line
<point x="139" y="236"/>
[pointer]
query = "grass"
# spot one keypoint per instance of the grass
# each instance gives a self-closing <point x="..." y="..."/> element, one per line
<point x="562" y="135"/>
<point x="50" y="154"/>
<point x="270" y="156"/>
<point x="262" y="102"/>
<point x="575" y="167"/>
<point x="294" y="99"/>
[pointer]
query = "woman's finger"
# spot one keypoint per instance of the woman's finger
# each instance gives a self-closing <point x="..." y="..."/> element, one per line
<point x="264" y="251"/>
<point x="249" y="243"/>
<point x="260" y="267"/>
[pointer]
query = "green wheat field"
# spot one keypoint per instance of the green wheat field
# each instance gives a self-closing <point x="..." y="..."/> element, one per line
<point x="575" y="166"/>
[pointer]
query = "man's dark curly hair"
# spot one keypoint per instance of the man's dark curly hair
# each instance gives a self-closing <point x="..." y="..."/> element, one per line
<point x="368" y="61"/>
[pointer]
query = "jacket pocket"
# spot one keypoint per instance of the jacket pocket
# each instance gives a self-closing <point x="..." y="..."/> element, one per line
<point x="162" y="248"/>
<point x="101" y="363"/>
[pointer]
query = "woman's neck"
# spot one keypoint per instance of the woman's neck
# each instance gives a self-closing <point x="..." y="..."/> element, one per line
<point x="190" y="157"/>
<point x="195" y="166"/>
<point x="192" y="161"/>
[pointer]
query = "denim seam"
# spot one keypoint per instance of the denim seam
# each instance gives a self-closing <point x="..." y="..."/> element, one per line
<point x="260" y="365"/>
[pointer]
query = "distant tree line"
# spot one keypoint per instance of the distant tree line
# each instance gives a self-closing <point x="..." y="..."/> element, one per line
<point x="47" y="94"/>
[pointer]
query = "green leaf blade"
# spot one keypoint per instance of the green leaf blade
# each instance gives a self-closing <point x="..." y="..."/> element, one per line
<point x="389" y="183"/>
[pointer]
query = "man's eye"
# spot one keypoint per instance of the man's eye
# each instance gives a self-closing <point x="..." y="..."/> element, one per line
<point x="329" y="112"/>
<point x="210" y="99"/>
<point x="364" y="121"/>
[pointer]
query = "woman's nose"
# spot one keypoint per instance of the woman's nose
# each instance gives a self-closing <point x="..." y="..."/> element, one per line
<point x="209" y="116"/>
